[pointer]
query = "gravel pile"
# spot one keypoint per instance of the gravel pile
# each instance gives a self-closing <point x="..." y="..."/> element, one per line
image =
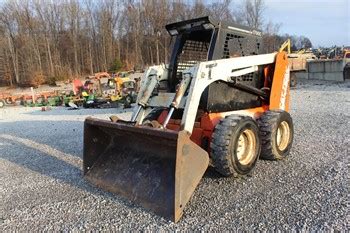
<point x="41" y="184"/>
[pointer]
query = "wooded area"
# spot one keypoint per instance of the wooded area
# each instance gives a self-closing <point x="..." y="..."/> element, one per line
<point x="46" y="40"/>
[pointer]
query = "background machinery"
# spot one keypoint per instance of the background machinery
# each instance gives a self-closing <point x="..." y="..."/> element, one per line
<point x="297" y="61"/>
<point x="346" y="59"/>
<point x="103" y="90"/>
<point x="218" y="100"/>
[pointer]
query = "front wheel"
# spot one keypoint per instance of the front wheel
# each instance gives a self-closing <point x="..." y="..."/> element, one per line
<point x="127" y="101"/>
<point x="235" y="145"/>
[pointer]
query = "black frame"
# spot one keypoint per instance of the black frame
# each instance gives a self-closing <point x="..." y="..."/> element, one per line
<point x="221" y="96"/>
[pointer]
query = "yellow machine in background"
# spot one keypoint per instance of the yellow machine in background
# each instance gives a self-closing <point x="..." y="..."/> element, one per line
<point x="99" y="90"/>
<point x="297" y="60"/>
<point x="285" y="46"/>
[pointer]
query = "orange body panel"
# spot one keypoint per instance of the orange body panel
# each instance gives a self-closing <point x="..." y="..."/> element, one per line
<point x="204" y="127"/>
<point x="279" y="97"/>
<point x="268" y="72"/>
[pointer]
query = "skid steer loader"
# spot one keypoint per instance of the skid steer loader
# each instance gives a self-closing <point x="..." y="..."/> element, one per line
<point x="218" y="102"/>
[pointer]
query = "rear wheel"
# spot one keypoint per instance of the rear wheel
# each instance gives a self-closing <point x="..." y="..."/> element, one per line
<point x="2" y="103"/>
<point x="154" y="114"/>
<point x="40" y="100"/>
<point x="18" y="102"/>
<point x="235" y="145"/>
<point x="151" y="119"/>
<point x="127" y="101"/>
<point x="8" y="101"/>
<point x="346" y="71"/>
<point x="277" y="133"/>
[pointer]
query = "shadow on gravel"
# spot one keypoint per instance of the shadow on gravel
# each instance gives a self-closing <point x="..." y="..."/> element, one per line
<point x="66" y="136"/>
<point x="66" y="169"/>
<point x="210" y="173"/>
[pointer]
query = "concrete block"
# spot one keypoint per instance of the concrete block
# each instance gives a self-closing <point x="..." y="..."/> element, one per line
<point x="301" y="75"/>
<point x="316" y="76"/>
<point x="316" y="66"/>
<point x="334" y="76"/>
<point x="297" y="64"/>
<point x="334" y="66"/>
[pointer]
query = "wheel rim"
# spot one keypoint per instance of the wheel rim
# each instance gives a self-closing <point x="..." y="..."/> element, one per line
<point x="1" y="104"/>
<point x="246" y="147"/>
<point x="283" y="135"/>
<point x="128" y="100"/>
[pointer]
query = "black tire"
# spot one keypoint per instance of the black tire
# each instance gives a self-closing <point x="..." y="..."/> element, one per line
<point x="2" y="103"/>
<point x="153" y="115"/>
<point x="8" y="101"/>
<point x="18" y="102"/>
<point x="277" y="132"/>
<point x="87" y="104"/>
<point x="346" y="71"/>
<point x="225" y="145"/>
<point x="293" y="79"/>
<point x="127" y="101"/>
<point x="133" y="96"/>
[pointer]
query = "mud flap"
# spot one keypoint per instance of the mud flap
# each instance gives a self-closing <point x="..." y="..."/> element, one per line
<point x="155" y="168"/>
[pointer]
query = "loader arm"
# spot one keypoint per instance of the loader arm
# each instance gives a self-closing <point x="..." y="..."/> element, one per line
<point x="151" y="78"/>
<point x="206" y="73"/>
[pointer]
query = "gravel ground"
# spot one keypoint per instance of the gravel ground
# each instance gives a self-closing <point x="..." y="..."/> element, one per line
<point x="41" y="184"/>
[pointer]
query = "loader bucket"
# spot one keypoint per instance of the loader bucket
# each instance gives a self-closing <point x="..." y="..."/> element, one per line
<point x="155" y="168"/>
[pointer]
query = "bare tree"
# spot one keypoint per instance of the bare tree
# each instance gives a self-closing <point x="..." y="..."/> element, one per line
<point x="253" y="11"/>
<point x="222" y="11"/>
<point x="43" y="40"/>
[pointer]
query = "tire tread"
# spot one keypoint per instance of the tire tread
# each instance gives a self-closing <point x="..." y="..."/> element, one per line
<point x="220" y="144"/>
<point x="267" y="124"/>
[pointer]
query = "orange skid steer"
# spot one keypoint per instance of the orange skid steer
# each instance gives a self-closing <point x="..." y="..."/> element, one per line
<point x="218" y="100"/>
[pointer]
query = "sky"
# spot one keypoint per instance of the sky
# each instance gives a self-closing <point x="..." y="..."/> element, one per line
<point x="325" y="22"/>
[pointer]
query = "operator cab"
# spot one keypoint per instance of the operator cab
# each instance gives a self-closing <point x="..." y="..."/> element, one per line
<point x="205" y="39"/>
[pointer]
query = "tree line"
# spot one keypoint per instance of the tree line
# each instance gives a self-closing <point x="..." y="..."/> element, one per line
<point x="43" y="41"/>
